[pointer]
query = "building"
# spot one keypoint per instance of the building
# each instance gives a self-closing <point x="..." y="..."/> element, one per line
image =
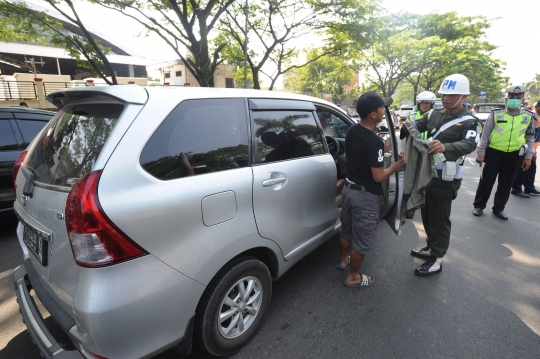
<point x="18" y="57"/>
<point x="175" y="73"/>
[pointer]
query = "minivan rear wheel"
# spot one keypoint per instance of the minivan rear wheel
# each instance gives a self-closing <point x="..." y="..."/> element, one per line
<point x="233" y="306"/>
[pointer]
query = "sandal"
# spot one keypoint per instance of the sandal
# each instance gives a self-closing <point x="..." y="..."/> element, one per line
<point x="346" y="265"/>
<point x="364" y="283"/>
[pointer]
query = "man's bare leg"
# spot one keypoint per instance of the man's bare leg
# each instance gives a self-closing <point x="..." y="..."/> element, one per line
<point x="344" y="246"/>
<point x="356" y="262"/>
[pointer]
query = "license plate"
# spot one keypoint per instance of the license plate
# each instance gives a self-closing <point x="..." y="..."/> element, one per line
<point x="37" y="242"/>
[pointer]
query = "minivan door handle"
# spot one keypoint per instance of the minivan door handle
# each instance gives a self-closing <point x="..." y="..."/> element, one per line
<point x="273" y="181"/>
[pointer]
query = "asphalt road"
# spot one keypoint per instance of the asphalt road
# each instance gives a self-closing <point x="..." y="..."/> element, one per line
<point x="485" y="303"/>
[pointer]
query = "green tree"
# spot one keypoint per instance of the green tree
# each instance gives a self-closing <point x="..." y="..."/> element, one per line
<point x="384" y="57"/>
<point x="276" y="27"/>
<point x="534" y="87"/>
<point x="460" y="49"/>
<point x="422" y="50"/>
<point x="328" y="74"/>
<point x="185" y="23"/>
<point x="234" y="55"/>
<point x="17" y="26"/>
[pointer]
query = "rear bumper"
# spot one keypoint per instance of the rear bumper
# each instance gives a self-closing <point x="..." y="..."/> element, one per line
<point x="110" y="316"/>
<point x="41" y="336"/>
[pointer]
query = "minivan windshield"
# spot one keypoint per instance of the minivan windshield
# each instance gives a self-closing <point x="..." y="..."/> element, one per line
<point x="69" y="146"/>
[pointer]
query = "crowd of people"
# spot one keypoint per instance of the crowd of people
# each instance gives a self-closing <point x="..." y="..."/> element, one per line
<point x="433" y="144"/>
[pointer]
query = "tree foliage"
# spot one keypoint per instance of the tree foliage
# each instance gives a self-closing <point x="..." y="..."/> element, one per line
<point x="185" y="23"/>
<point x="421" y="51"/>
<point x="15" y="25"/>
<point x="534" y="88"/>
<point x="275" y="30"/>
<point x="328" y="74"/>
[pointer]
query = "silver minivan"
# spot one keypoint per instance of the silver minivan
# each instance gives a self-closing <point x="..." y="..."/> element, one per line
<point x="152" y="218"/>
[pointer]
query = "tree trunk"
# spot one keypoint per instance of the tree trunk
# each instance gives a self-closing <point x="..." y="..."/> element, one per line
<point x="255" y="73"/>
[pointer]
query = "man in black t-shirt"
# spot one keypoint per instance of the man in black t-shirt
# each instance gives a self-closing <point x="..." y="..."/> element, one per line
<point x="360" y="196"/>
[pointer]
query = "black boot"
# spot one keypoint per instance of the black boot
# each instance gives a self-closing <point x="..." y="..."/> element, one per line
<point x="423" y="253"/>
<point x="501" y="215"/>
<point x="432" y="266"/>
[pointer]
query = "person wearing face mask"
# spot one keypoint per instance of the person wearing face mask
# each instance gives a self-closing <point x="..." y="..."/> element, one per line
<point x="506" y="145"/>
<point x="453" y="132"/>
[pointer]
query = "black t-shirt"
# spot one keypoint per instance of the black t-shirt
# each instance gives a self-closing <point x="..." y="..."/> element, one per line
<point x="364" y="149"/>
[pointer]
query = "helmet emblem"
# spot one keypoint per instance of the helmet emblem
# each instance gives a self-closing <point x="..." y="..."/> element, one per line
<point x="517" y="89"/>
<point x="449" y="84"/>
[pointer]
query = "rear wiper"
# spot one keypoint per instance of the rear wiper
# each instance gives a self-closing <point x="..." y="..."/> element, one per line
<point x="28" y="189"/>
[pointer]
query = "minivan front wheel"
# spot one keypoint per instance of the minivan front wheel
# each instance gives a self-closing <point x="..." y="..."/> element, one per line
<point x="233" y="306"/>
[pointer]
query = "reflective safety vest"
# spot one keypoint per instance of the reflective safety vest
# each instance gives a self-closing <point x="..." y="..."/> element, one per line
<point x="416" y="115"/>
<point x="508" y="133"/>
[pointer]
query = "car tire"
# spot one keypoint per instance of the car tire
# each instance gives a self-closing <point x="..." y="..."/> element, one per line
<point x="223" y="297"/>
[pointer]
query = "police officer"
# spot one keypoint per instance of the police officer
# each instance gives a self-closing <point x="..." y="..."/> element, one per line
<point x="526" y="178"/>
<point x="454" y="142"/>
<point x="424" y="102"/>
<point x="508" y="134"/>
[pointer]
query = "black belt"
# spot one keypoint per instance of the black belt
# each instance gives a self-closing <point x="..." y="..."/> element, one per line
<point x="356" y="187"/>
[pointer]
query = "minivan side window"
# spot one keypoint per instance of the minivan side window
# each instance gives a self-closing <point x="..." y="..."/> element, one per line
<point x="332" y="125"/>
<point x="198" y="137"/>
<point x="285" y="135"/>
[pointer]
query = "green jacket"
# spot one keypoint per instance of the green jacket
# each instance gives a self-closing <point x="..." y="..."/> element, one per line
<point x="459" y="140"/>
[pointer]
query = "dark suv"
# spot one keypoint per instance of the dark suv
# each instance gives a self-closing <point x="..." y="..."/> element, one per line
<point x="18" y="126"/>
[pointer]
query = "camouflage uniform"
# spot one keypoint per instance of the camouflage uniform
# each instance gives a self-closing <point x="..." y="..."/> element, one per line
<point x="459" y="140"/>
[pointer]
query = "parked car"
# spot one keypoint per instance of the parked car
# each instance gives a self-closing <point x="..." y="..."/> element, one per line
<point x="394" y="121"/>
<point x="483" y="110"/>
<point x="438" y="104"/>
<point x="404" y="112"/>
<point x="18" y="126"/>
<point x="152" y="217"/>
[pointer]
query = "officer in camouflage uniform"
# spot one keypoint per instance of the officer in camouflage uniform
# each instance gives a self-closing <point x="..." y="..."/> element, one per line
<point x="455" y="142"/>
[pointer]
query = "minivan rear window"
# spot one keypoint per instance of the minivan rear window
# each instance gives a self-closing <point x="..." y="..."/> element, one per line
<point x="71" y="143"/>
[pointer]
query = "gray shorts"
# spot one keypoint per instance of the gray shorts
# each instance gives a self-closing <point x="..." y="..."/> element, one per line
<point x="359" y="219"/>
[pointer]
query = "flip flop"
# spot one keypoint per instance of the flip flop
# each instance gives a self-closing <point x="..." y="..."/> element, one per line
<point x="364" y="283"/>
<point x="346" y="265"/>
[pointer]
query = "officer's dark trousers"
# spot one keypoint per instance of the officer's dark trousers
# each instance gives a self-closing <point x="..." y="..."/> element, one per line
<point x="525" y="179"/>
<point x="436" y="214"/>
<point x="504" y="165"/>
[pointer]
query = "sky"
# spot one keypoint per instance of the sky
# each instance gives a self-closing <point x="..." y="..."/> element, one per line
<point x="516" y="32"/>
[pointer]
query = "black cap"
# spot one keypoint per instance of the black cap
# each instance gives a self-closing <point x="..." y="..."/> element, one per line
<point x="369" y="102"/>
<point x="537" y="103"/>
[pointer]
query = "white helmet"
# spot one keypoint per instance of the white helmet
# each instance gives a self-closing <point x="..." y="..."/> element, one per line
<point x="426" y="96"/>
<point x="455" y="84"/>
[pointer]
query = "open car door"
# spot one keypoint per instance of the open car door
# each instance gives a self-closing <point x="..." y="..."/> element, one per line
<point x="393" y="186"/>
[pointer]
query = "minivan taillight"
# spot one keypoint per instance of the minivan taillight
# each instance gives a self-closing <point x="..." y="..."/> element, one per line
<point x="95" y="241"/>
<point x="17" y="167"/>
